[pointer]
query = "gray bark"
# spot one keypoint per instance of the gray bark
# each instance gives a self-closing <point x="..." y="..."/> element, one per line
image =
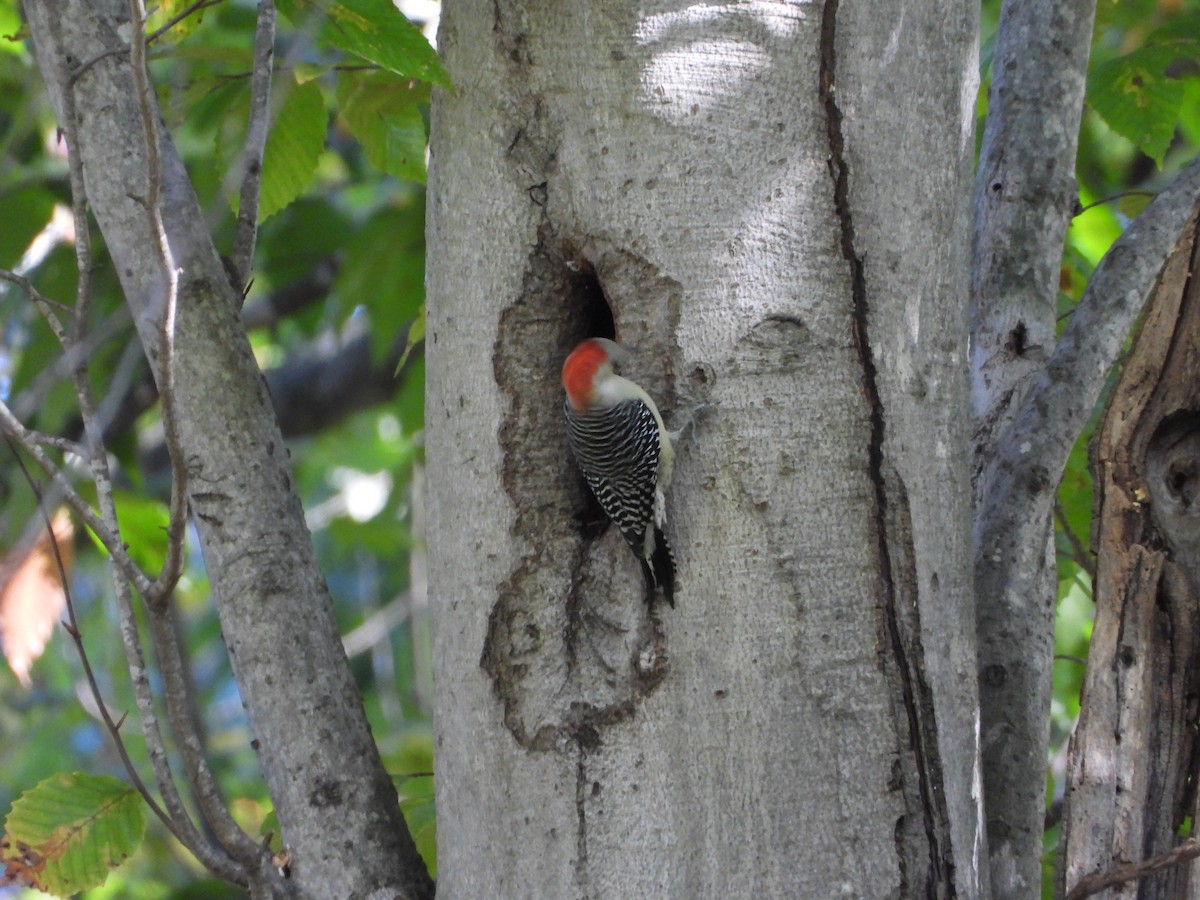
<point x="1013" y="516"/>
<point x="1131" y="768"/>
<point x="1024" y="197"/>
<point x="733" y="182"/>
<point x="335" y="803"/>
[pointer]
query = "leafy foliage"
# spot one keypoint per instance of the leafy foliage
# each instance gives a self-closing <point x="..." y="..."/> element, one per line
<point x="64" y="835"/>
<point x="1139" y="98"/>
<point x="373" y="30"/>
<point x="342" y="233"/>
<point x="383" y="113"/>
<point x="293" y="148"/>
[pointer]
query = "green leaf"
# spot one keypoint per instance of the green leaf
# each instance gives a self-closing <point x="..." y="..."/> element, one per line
<point x="164" y="11"/>
<point x="26" y="212"/>
<point x="143" y="521"/>
<point x="384" y="273"/>
<point x="381" y="112"/>
<point x="1136" y="98"/>
<point x="374" y="30"/>
<point x="416" y="334"/>
<point x="12" y="33"/>
<point x="73" y="829"/>
<point x="1189" y="112"/>
<point x="293" y="148"/>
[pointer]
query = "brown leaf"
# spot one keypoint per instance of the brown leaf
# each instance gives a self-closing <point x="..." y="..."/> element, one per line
<point x="21" y="865"/>
<point x="31" y="595"/>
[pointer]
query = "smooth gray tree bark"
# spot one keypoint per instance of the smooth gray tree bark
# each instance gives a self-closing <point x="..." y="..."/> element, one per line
<point x="1025" y="194"/>
<point x="769" y="202"/>
<point x="336" y="805"/>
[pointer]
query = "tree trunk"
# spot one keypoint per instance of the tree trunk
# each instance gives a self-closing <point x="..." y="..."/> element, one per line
<point x="311" y="733"/>
<point x="1025" y="193"/>
<point x="1132" y="763"/>
<point x="769" y="203"/>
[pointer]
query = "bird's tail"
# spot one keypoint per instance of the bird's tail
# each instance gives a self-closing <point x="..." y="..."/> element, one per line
<point x="660" y="570"/>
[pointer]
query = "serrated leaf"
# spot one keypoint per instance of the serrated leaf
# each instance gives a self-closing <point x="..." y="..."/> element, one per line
<point x="374" y="30"/>
<point x="164" y="11"/>
<point x="71" y="830"/>
<point x="293" y="148"/>
<point x="1136" y="98"/>
<point x="381" y="112"/>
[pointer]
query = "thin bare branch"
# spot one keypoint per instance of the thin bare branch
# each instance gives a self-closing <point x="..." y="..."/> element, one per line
<point x="176" y="528"/>
<point x="31" y="399"/>
<point x="179" y="17"/>
<point x="212" y="857"/>
<point x="1079" y="553"/>
<point x="111" y="539"/>
<point x="170" y="657"/>
<point x="58" y="443"/>
<point x="72" y="627"/>
<point x="256" y="142"/>
<point x="46" y="306"/>
<point x="177" y="692"/>
<point x="124" y="571"/>
<point x="1111" y="197"/>
<point x="1098" y="881"/>
<point x="376" y="628"/>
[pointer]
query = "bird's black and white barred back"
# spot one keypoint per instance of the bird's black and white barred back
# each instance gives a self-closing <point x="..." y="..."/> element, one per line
<point x="618" y="450"/>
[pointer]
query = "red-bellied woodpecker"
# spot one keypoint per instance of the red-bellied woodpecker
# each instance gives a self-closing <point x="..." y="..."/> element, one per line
<point x="620" y="443"/>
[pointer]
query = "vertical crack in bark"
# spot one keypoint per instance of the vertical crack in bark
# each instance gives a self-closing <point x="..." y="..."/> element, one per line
<point x="902" y="631"/>
<point x="581" y="827"/>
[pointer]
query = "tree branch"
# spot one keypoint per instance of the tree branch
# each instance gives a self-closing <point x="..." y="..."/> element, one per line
<point x="1079" y="553"/>
<point x="1098" y="881"/>
<point x="311" y="732"/>
<point x="323" y="382"/>
<point x="124" y="572"/>
<point x="45" y="305"/>
<point x="179" y="17"/>
<point x="311" y="287"/>
<point x="1025" y="195"/>
<point x="111" y="539"/>
<point x="177" y="692"/>
<point x="72" y="627"/>
<point x="256" y="142"/>
<point x="175" y="817"/>
<point x="177" y="523"/>
<point x="1014" y="565"/>
<point x="1057" y="407"/>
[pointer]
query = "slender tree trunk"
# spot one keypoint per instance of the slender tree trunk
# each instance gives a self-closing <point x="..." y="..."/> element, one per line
<point x="310" y="731"/>
<point x="1024" y="196"/>
<point x="769" y="203"/>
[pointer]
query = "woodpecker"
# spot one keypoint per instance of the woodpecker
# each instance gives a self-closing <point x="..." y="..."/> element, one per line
<point x="620" y="443"/>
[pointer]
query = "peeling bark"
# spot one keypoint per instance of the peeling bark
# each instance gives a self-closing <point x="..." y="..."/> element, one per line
<point x="1134" y="754"/>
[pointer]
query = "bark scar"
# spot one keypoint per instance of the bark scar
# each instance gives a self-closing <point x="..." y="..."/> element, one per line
<point x="581" y="827"/>
<point x="901" y="630"/>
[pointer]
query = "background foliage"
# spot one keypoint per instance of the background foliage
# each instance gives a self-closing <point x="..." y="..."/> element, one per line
<point x="339" y="270"/>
